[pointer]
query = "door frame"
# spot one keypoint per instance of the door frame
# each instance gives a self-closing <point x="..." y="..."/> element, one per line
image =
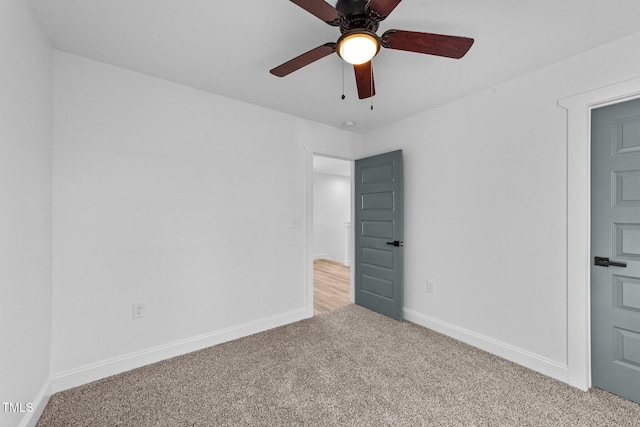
<point x="342" y="155"/>
<point x="579" y="221"/>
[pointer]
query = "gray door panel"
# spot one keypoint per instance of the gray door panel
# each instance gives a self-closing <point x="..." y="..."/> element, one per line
<point x="379" y="221"/>
<point x="615" y="234"/>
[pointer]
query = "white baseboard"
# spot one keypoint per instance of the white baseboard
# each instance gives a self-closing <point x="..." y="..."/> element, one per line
<point x="88" y="373"/>
<point x="321" y="256"/>
<point x="39" y="403"/>
<point x="529" y="360"/>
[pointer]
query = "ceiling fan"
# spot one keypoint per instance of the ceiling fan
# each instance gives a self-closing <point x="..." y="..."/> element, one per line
<point x="358" y="21"/>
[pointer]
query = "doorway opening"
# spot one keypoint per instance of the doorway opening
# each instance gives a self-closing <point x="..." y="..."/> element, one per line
<point x="332" y="233"/>
<point x="579" y="107"/>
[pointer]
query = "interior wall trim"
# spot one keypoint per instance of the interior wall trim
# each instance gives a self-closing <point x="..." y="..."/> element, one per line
<point x="522" y="357"/>
<point x="88" y="373"/>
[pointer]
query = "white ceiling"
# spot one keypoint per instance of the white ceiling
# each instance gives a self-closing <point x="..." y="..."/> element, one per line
<point x="228" y="48"/>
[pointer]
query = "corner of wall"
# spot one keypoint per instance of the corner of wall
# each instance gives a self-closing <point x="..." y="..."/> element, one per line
<point x="529" y="360"/>
<point x="86" y="374"/>
<point x="39" y="405"/>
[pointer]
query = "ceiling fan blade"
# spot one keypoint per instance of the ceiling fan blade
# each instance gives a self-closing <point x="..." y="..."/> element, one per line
<point x="303" y="60"/>
<point x="431" y="44"/>
<point x="321" y="9"/>
<point x="380" y="9"/>
<point x="364" y="80"/>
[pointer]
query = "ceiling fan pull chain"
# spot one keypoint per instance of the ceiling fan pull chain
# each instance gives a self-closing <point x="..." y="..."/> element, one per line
<point x="371" y="97"/>
<point x="343" y="96"/>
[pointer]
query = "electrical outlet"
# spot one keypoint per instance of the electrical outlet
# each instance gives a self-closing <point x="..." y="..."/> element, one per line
<point x="139" y="310"/>
<point x="431" y="287"/>
<point x="296" y="222"/>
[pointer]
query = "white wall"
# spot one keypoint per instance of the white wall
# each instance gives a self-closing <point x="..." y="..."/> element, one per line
<point x="485" y="213"/>
<point x="185" y="200"/>
<point x="331" y="210"/>
<point x="25" y="212"/>
<point x="174" y="197"/>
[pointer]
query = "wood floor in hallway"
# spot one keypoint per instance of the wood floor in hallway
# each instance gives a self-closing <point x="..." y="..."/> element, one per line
<point x="331" y="281"/>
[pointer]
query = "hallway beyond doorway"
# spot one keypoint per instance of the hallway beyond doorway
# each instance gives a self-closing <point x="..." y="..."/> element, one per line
<point x="331" y="281"/>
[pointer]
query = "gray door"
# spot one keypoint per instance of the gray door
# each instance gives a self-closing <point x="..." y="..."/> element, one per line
<point x="615" y="240"/>
<point x="379" y="233"/>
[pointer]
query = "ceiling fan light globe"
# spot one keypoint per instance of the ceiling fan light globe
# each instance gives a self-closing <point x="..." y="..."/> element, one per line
<point x="358" y="48"/>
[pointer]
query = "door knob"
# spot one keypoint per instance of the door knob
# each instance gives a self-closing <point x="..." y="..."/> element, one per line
<point x="395" y="243"/>
<point x="605" y="262"/>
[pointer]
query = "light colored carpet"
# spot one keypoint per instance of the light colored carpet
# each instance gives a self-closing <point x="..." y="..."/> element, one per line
<point x="347" y="367"/>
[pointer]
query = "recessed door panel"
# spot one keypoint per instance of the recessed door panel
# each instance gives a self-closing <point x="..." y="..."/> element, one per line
<point x="377" y="229"/>
<point x="382" y="258"/>
<point x="626" y="241"/>
<point x="377" y="286"/>
<point x="627" y="293"/>
<point x="382" y="200"/>
<point x="627" y="188"/>
<point x="376" y="173"/>
<point x="628" y="348"/>
<point x="626" y="134"/>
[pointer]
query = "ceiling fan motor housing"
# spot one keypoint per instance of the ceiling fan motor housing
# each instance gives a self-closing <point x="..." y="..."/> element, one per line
<point x="355" y="14"/>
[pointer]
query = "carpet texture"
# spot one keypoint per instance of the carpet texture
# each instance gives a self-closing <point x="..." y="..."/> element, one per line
<point x="347" y="367"/>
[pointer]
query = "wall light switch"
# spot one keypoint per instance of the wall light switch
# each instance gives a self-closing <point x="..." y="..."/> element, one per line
<point x="431" y="287"/>
<point x="139" y="310"/>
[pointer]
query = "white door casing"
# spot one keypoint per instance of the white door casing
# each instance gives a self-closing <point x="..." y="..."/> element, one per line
<point x="579" y="222"/>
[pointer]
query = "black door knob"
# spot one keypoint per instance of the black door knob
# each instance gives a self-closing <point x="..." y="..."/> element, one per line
<point x="605" y="262"/>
